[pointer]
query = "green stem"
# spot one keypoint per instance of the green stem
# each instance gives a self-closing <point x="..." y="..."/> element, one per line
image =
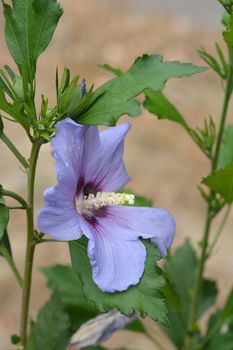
<point x="198" y="281"/>
<point x="11" y="263"/>
<point x="30" y="242"/>
<point x="227" y="97"/>
<point x="14" y="150"/>
<point x="15" y="196"/>
<point x="209" y="216"/>
<point x="49" y="241"/>
<point x="219" y="230"/>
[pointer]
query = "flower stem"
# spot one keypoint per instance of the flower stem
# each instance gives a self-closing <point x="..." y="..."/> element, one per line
<point x="15" y="196"/>
<point x="14" y="150"/>
<point x="11" y="263"/>
<point x="209" y="214"/>
<point x="30" y="242"/>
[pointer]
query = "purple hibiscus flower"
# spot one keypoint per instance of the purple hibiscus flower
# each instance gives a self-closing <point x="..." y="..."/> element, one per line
<point x="90" y="169"/>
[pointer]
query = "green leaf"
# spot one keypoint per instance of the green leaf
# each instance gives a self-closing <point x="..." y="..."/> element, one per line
<point x="145" y="297"/>
<point x="64" y="280"/>
<point x="219" y="64"/>
<point x="15" y="110"/>
<point x="4" y="218"/>
<point x="226" y="151"/>
<point x="181" y="269"/>
<point x="29" y="27"/>
<point x="108" y="68"/>
<point x="6" y="242"/>
<point x="50" y="331"/>
<point x="116" y="97"/>
<point x="220" y="330"/>
<point x="221" y="181"/>
<point x="157" y="104"/>
<point x="227" y="312"/>
<point x="221" y="341"/>
<point x="208" y="296"/>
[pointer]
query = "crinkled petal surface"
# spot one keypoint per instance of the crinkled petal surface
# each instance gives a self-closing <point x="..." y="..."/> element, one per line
<point x="157" y="224"/>
<point x="116" y="255"/>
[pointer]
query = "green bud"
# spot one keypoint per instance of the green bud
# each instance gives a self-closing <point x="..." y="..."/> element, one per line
<point x="71" y="98"/>
<point x="41" y="127"/>
<point x="18" y="87"/>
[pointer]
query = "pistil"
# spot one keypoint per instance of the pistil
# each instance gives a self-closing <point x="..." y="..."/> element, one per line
<point x="103" y="199"/>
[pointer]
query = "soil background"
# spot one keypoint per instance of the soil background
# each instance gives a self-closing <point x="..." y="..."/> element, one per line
<point x="164" y="163"/>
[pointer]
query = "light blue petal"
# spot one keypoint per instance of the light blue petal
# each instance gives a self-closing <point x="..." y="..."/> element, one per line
<point x="157" y="224"/>
<point x="117" y="259"/>
<point x="59" y="217"/>
<point x="110" y="173"/>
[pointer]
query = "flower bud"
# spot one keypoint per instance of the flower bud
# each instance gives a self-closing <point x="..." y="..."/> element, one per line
<point x="18" y="87"/>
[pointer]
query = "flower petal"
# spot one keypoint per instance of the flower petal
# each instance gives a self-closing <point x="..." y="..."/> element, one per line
<point x="157" y="224"/>
<point x="67" y="149"/>
<point x="59" y="217"/>
<point x="92" y="153"/>
<point x="110" y="174"/>
<point x="117" y="259"/>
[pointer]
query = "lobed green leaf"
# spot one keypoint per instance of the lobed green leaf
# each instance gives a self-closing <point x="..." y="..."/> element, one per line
<point x="64" y="281"/>
<point x="145" y="297"/>
<point x="221" y="182"/>
<point x="51" y="330"/>
<point x="181" y="269"/>
<point x="116" y="97"/>
<point x="157" y="104"/>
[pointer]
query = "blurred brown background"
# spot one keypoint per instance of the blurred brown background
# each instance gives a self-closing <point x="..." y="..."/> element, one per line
<point x="164" y="163"/>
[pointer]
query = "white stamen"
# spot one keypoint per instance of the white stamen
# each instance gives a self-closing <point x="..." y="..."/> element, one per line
<point x="103" y="199"/>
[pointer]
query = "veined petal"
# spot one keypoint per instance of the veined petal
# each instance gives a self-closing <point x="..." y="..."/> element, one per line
<point x="59" y="217"/>
<point x="157" y="224"/>
<point x="110" y="174"/>
<point x="117" y="258"/>
<point x="92" y="153"/>
<point x="68" y="150"/>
